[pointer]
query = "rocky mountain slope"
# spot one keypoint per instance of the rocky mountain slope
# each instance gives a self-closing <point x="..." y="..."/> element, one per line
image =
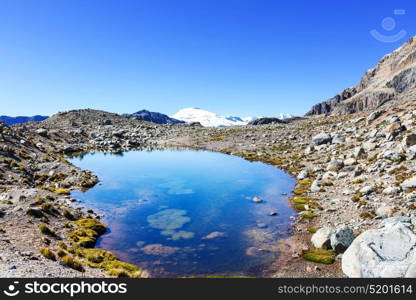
<point x="153" y="117"/>
<point x="393" y="79"/>
<point x="21" y="119"/>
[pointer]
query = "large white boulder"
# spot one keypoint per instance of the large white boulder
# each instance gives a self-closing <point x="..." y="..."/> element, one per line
<point x="389" y="251"/>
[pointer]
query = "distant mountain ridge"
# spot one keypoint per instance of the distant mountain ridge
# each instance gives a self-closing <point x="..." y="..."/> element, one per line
<point x="393" y="79"/>
<point x="21" y="119"/>
<point x="210" y="119"/>
<point x="154" y="117"/>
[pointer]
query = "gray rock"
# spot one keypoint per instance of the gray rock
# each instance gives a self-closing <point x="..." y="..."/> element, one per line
<point x="409" y="140"/>
<point x="385" y="252"/>
<point x="391" y="190"/>
<point x="384" y="211"/>
<point x="373" y="116"/>
<point x="367" y="190"/>
<point x="322" y="238"/>
<point x="322" y="138"/>
<point x="358" y="152"/>
<point x="303" y="174"/>
<point x="392" y="156"/>
<point x="368" y="146"/>
<point x="338" y="139"/>
<point x="411" y="152"/>
<point x="342" y="238"/>
<point x="257" y="200"/>
<point x="335" y="165"/>
<point x="409" y="183"/>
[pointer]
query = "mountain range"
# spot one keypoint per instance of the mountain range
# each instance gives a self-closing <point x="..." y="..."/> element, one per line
<point x="154" y="117"/>
<point x="211" y="119"/>
<point x="392" y="79"/>
<point x="21" y="119"/>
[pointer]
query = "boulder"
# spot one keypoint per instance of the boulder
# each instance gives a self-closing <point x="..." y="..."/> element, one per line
<point x="392" y="156"/>
<point x="335" y="165"/>
<point x="384" y="211"/>
<point x="342" y="238"/>
<point x="389" y="251"/>
<point x="338" y="139"/>
<point x="409" y="183"/>
<point x="409" y="140"/>
<point x="322" y="138"/>
<point x="411" y="152"/>
<point x="322" y="238"/>
<point x="303" y="174"/>
<point x="358" y="152"/>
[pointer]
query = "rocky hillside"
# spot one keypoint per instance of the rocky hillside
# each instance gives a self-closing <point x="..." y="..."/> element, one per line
<point x="393" y="79"/>
<point x="153" y="117"/>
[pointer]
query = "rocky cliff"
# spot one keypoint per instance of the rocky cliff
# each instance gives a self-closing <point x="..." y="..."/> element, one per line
<point x="393" y="79"/>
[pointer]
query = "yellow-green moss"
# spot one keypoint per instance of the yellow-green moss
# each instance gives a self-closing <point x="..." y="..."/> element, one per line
<point x="309" y="215"/>
<point x="98" y="258"/>
<point x="67" y="214"/>
<point x="312" y="230"/>
<point x="86" y="232"/>
<point x="61" y="191"/>
<point x="46" y="230"/>
<point x="320" y="256"/>
<point x="34" y="213"/>
<point x="304" y="182"/>
<point x="46" y="252"/>
<point x="72" y="262"/>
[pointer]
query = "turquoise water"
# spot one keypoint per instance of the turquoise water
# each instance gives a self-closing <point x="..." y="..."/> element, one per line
<point x="182" y="213"/>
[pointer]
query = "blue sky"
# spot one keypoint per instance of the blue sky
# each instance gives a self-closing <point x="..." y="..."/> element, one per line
<point x="233" y="57"/>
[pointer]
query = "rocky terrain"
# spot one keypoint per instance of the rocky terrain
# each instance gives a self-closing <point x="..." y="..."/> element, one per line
<point x="355" y="193"/>
<point x="354" y="173"/>
<point x="393" y="79"/>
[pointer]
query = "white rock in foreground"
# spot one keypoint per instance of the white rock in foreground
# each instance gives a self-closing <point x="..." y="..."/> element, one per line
<point x="389" y="251"/>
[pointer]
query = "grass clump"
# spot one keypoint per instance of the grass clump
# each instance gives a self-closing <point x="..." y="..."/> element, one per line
<point x="67" y="214"/>
<point x="309" y="215"/>
<point x="98" y="258"/>
<point x="36" y="213"/>
<point x="320" y="256"/>
<point x="86" y="232"/>
<point x="300" y="207"/>
<point x="61" y="191"/>
<point x="300" y="191"/>
<point x="302" y="200"/>
<point x="46" y="230"/>
<point x="356" y="197"/>
<point x="305" y="182"/>
<point x="46" y="252"/>
<point x="46" y="207"/>
<point x="72" y="262"/>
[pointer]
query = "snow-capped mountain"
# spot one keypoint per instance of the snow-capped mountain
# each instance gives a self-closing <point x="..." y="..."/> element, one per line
<point x="207" y="118"/>
<point x="210" y="119"/>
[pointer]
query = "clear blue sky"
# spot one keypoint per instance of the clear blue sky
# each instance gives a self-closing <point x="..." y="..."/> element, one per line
<point x="233" y="57"/>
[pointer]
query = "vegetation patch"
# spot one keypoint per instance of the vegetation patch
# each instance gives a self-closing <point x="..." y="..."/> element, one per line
<point x="85" y="232"/>
<point x="98" y="258"/>
<point x="309" y="215"/>
<point x="46" y="230"/>
<point x="320" y="256"/>
<point x="46" y="252"/>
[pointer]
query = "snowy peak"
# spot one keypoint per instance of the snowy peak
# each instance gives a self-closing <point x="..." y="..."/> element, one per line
<point x="206" y="118"/>
<point x="210" y="119"/>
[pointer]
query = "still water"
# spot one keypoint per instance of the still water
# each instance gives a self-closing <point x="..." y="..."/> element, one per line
<point x="183" y="213"/>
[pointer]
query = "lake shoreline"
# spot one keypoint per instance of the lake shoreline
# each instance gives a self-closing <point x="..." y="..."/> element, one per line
<point x="342" y="186"/>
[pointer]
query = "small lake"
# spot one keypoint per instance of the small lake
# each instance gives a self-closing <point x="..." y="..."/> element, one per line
<point x="185" y="213"/>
